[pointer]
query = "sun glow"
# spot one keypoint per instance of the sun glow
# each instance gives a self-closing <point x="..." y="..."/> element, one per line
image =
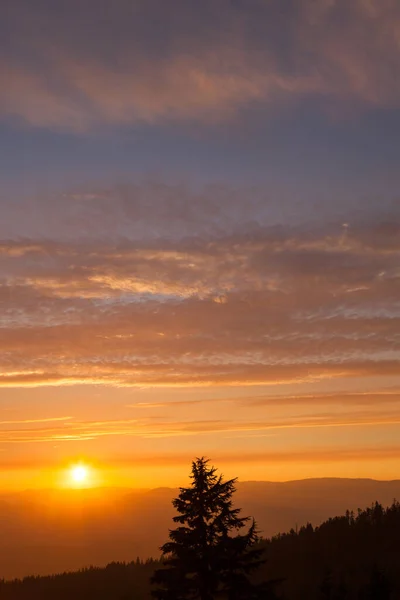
<point x="79" y="473"/>
<point x="80" y="476"/>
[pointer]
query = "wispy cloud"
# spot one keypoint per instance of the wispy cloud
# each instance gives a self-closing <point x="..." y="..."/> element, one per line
<point x="324" y="455"/>
<point x="343" y="398"/>
<point x="75" y="430"/>
<point x="209" y="61"/>
<point x="31" y="421"/>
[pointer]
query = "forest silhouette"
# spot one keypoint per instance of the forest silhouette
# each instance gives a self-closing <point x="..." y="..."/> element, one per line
<point x="215" y="553"/>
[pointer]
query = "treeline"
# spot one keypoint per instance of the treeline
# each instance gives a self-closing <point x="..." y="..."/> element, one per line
<point x="352" y="557"/>
<point x="116" y="581"/>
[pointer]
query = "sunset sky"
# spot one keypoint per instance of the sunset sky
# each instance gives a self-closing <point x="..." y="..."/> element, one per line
<point x="199" y="239"/>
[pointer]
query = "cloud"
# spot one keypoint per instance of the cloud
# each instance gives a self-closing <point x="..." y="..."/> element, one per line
<point x="75" y="430"/>
<point x="30" y="421"/>
<point x="236" y="303"/>
<point x="343" y="398"/>
<point x="324" y="455"/>
<point x="88" y="65"/>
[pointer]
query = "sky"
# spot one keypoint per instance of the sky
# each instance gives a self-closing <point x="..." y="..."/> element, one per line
<point x="199" y="239"/>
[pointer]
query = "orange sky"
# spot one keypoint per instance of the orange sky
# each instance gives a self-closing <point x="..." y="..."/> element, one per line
<point x="199" y="239"/>
<point x="146" y="437"/>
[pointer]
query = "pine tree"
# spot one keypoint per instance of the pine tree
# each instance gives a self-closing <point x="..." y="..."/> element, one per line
<point x="326" y="587"/>
<point x="379" y="585"/>
<point x="202" y="560"/>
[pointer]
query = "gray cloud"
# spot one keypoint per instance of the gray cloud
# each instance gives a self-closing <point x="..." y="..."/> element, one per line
<point x="76" y="65"/>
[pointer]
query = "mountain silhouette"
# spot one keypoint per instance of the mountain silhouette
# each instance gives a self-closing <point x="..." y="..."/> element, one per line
<point x="49" y="531"/>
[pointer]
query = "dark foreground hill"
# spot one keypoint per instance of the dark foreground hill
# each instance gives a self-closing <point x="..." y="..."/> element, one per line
<point x="352" y="557"/>
<point x="44" y="532"/>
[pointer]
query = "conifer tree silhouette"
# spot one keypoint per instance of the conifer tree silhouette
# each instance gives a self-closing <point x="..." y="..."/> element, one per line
<point x="379" y="587"/>
<point x="202" y="560"/>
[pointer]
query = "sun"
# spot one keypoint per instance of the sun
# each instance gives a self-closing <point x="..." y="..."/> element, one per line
<point x="79" y="474"/>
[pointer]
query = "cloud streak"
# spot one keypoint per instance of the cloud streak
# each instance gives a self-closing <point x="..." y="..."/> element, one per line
<point x="74" y="430"/>
<point x="65" y="69"/>
<point x="325" y="455"/>
<point x="344" y="398"/>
